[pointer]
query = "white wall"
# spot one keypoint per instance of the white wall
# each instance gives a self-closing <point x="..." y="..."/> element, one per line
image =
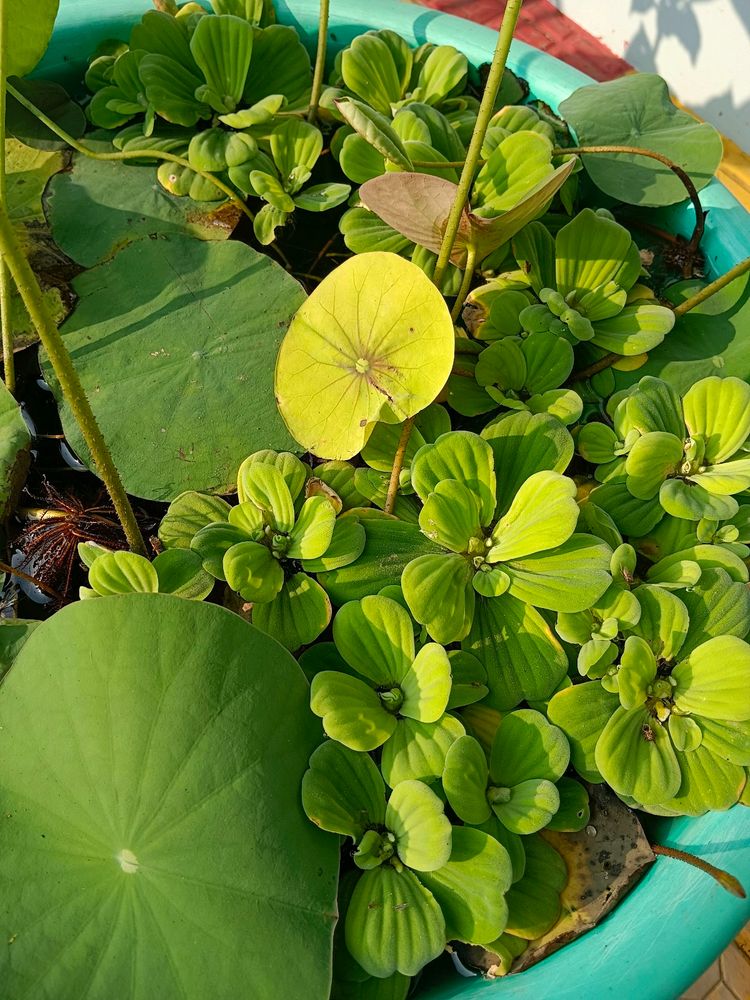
<point x="700" y="47"/>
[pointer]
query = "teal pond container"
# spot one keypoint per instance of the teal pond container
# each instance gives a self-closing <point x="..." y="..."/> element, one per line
<point x="676" y="921"/>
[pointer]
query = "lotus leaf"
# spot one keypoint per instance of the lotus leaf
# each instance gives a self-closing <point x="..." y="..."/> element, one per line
<point x="391" y="354"/>
<point x="216" y="733"/>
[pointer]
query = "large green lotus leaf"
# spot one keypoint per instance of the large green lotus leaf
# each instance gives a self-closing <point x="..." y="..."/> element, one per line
<point x="439" y="592"/>
<point x="342" y="791"/>
<point x="582" y="711"/>
<point x="636" y="758"/>
<point x="15" y="440"/>
<point x="389" y="546"/>
<point x="637" y="111"/>
<point x="27" y="173"/>
<point x="728" y="740"/>
<point x="54" y="101"/>
<point x="351" y="711"/>
<point x="543" y="514"/>
<point x="376" y="638"/>
<point x="714" y="680"/>
<point x="570" y="577"/>
<point x="717" y="605"/>
<point x="426" y="686"/>
<point x="146" y="757"/>
<point x="708" y="783"/>
<point x="417" y="750"/>
<point x="390" y="356"/>
<point x="477" y="862"/>
<point x="194" y="347"/>
<point x="222" y="47"/>
<point x="664" y="620"/>
<point x="299" y="613"/>
<point x="13" y="634"/>
<point x="394" y="924"/>
<point x="527" y="746"/>
<point x="534" y="901"/>
<point x="29" y="29"/>
<point x="718" y="410"/>
<point x="524" y="443"/>
<point x="593" y="251"/>
<point x="523" y="658"/>
<point x="461" y="456"/>
<point x="465" y="780"/>
<point x="415" y="816"/>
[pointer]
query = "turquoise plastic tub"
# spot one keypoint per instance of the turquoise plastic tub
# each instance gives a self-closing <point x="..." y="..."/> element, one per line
<point x="677" y="920"/>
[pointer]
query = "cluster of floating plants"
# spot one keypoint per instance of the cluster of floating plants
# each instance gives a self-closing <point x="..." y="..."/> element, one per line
<point x="450" y="539"/>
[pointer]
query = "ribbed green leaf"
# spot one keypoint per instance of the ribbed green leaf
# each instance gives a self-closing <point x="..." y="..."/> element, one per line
<point x="416" y="817"/>
<point x="471" y="912"/>
<point x="342" y="791"/>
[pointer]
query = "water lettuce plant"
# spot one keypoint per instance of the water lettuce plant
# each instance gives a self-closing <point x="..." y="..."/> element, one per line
<point x="508" y="564"/>
<point x="422" y="882"/>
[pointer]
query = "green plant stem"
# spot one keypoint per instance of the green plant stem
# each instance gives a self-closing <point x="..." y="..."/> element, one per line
<point x="9" y="361"/>
<point x="471" y="259"/>
<point x="700" y="215"/>
<point x="398" y="464"/>
<point x="684" y="307"/>
<point x="486" y="109"/>
<point x="469" y="167"/>
<point x="320" y="62"/>
<point x="67" y="376"/>
<point x="711" y="289"/>
<point x="725" y="880"/>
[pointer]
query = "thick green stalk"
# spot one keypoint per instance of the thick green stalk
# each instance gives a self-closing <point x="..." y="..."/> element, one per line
<point x="9" y="362"/>
<point x="67" y="376"/>
<point x="320" y="62"/>
<point x="486" y="109"/>
<point x="715" y="286"/>
<point x="471" y="259"/>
